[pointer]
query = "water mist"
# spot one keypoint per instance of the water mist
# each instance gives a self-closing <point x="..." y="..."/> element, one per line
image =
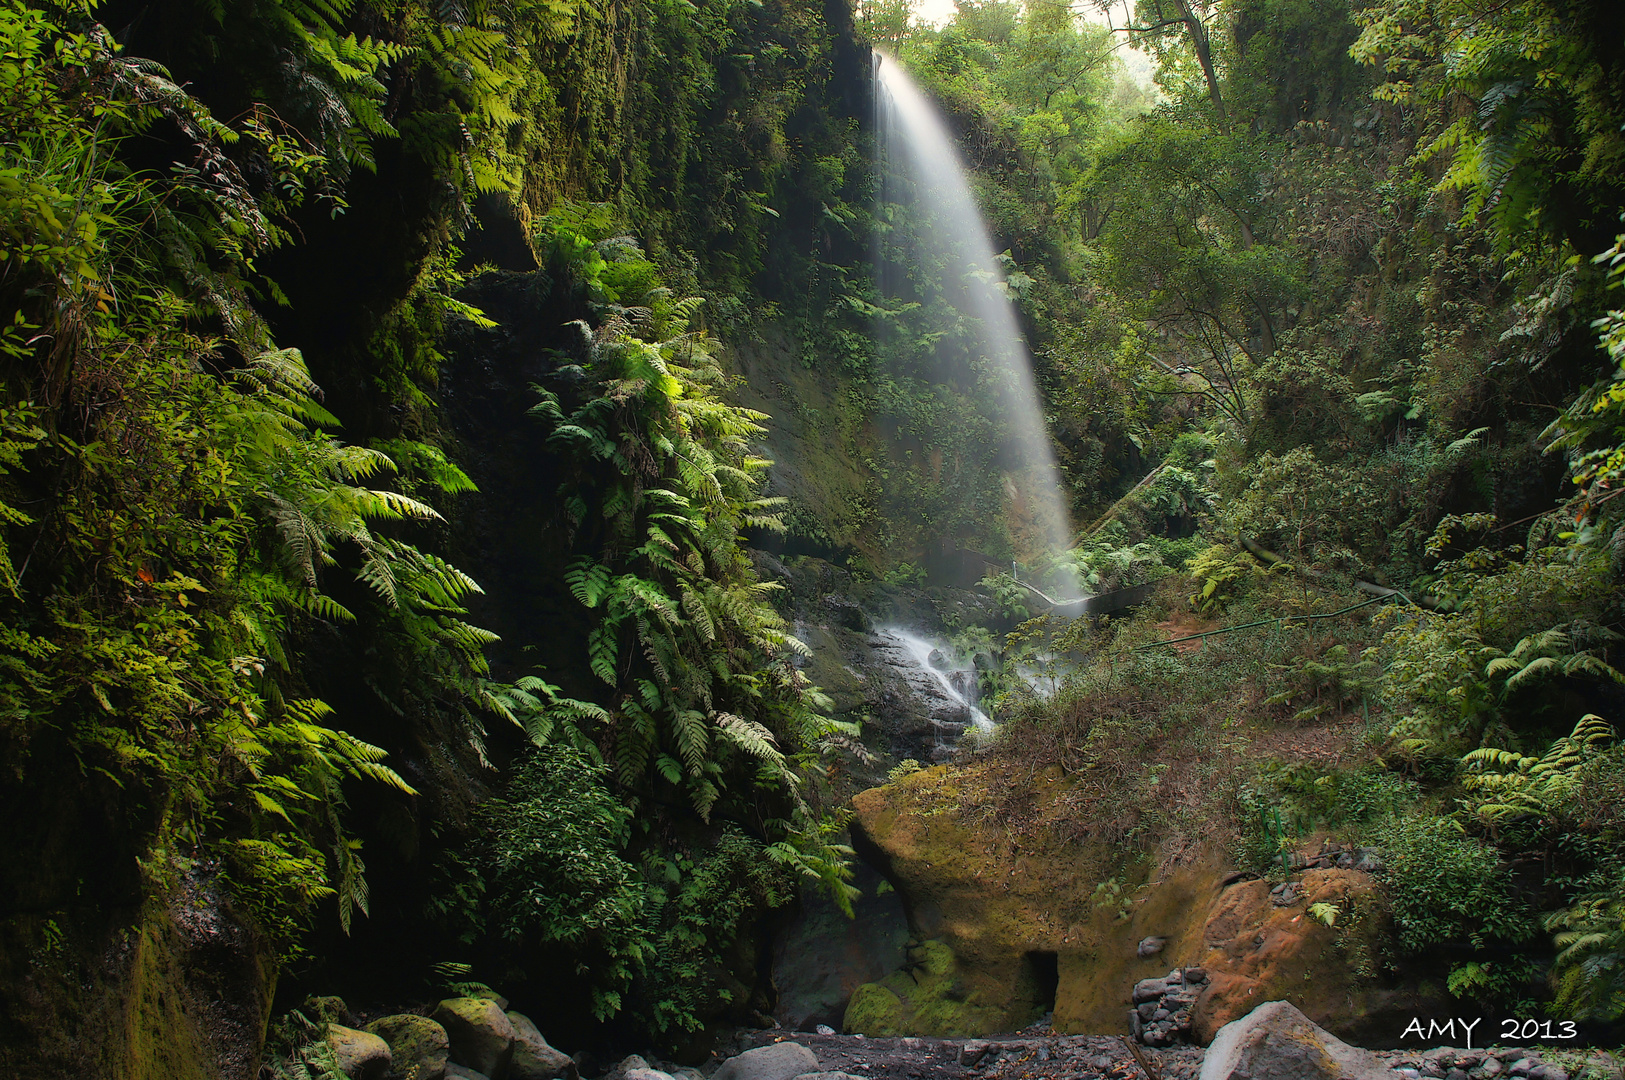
<point x="924" y="177"/>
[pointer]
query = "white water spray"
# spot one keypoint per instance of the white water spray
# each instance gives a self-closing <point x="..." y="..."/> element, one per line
<point x="924" y="166"/>
<point x="920" y="649"/>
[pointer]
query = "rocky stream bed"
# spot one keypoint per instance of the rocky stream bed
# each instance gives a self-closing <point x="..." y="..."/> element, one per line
<point x="476" y="1039"/>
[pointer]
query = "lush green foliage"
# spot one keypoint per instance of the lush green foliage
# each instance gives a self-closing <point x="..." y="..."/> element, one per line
<point x="661" y="482"/>
<point x="194" y="521"/>
<point x="1368" y="316"/>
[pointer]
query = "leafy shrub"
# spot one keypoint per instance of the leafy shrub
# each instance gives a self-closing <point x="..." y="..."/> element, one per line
<point x="703" y="907"/>
<point x="555" y="875"/>
<point x="1448" y="887"/>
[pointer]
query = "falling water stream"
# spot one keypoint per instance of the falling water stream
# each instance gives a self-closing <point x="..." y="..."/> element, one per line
<point x="923" y="171"/>
<point x="921" y="650"/>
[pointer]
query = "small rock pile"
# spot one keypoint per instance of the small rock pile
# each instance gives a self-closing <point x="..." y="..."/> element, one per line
<point x="1162" y="1007"/>
<point x="1449" y="1063"/>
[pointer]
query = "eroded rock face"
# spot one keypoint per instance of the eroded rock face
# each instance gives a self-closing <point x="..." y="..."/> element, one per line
<point x="997" y="910"/>
<point x="930" y="995"/>
<point x="1003" y="915"/>
<point x="823" y="956"/>
<point x="1277" y="1042"/>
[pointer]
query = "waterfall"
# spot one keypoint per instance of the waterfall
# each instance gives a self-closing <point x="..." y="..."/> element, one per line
<point x="924" y="176"/>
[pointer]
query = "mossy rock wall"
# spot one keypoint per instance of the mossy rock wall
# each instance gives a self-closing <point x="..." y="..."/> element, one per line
<point x="989" y="908"/>
<point x="172" y="991"/>
<point x="818" y="436"/>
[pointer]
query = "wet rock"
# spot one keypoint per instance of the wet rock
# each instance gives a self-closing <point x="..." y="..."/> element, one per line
<point x="1277" y="1042"/>
<point x="824" y="1029"/>
<point x="828" y="1076"/>
<point x="455" y="1071"/>
<point x="1287" y="893"/>
<point x="846" y="613"/>
<point x="781" y="1061"/>
<point x="1195" y="975"/>
<point x="972" y="1052"/>
<point x="967" y="684"/>
<point x="481" y="1035"/>
<point x="1150" y="946"/>
<point x="533" y="1058"/>
<point x="361" y="1055"/>
<point x="418" y="1046"/>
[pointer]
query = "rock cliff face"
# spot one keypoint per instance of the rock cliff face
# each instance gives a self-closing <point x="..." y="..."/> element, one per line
<point x="1007" y="928"/>
<point x="175" y="988"/>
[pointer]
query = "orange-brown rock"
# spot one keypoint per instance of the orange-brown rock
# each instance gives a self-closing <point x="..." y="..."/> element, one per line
<point x="998" y="904"/>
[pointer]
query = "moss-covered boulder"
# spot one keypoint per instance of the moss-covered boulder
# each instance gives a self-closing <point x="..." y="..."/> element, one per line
<point x="480" y="1033"/>
<point x="361" y="1055"/>
<point x="418" y="1045"/>
<point x="929" y="996"/>
<point x="875" y="1011"/>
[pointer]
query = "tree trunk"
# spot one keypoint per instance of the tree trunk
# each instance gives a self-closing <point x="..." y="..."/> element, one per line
<point x="1204" y="56"/>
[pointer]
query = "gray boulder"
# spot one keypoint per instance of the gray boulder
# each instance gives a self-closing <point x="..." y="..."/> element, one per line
<point x="629" y="1063"/>
<point x="781" y="1061"/>
<point x="648" y="1074"/>
<point x="1149" y="990"/>
<point x="418" y="1046"/>
<point x="480" y="1033"/>
<point x="1277" y="1042"/>
<point x="533" y="1058"/>
<point x="361" y="1055"/>
<point x="463" y="1072"/>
